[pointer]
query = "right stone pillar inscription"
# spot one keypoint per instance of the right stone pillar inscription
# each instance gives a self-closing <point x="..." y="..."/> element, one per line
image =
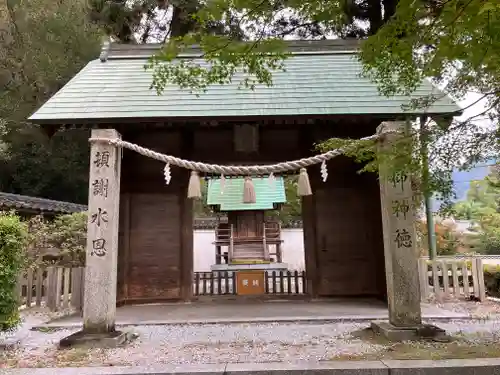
<point x="398" y="219"/>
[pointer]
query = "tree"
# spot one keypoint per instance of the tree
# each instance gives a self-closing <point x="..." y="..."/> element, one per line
<point x="60" y="240"/>
<point x="200" y="206"/>
<point x="448" y="240"/>
<point x="42" y="45"/>
<point x="12" y="239"/>
<point x="291" y="211"/>
<point x="467" y="210"/>
<point x="142" y="21"/>
<point x="489" y="237"/>
<point x="481" y="206"/>
<point x="481" y="200"/>
<point x="454" y="43"/>
<point x="55" y="167"/>
<point x="155" y="21"/>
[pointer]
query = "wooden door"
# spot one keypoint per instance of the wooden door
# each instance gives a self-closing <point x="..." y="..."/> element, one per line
<point x="247" y="224"/>
<point x="349" y="241"/>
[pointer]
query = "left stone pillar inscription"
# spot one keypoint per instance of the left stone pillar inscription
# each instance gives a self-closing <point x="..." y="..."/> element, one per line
<point x="99" y="307"/>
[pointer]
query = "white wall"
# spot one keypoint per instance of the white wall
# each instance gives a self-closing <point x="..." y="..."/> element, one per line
<point x="204" y="249"/>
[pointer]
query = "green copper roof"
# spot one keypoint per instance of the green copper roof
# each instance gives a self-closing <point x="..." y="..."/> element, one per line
<point x="231" y="199"/>
<point x="321" y="81"/>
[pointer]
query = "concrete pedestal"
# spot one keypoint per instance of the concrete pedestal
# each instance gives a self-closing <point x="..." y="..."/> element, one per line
<point x="395" y="333"/>
<point x="250" y="267"/>
<point x="107" y="340"/>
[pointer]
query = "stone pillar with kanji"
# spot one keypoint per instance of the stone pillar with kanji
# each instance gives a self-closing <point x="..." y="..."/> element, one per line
<point x="398" y="220"/>
<point x="99" y="307"/>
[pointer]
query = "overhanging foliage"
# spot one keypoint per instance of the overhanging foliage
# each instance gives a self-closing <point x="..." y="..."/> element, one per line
<point x="454" y="43"/>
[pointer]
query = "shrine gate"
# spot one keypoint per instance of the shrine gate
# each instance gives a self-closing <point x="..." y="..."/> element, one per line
<point x="143" y="246"/>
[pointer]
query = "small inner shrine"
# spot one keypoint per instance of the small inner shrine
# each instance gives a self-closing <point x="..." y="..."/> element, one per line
<point x="246" y="236"/>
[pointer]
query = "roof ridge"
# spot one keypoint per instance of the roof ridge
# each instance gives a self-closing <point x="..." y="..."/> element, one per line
<point x="117" y="51"/>
<point x="46" y="200"/>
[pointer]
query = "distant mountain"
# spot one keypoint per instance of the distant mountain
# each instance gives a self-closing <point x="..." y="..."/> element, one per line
<point x="462" y="179"/>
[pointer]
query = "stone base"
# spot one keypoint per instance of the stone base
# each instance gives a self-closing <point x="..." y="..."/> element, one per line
<point x="422" y="331"/>
<point x="82" y="339"/>
<point x="250" y="267"/>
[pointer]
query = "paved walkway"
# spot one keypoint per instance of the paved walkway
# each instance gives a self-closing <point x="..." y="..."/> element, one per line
<point x="381" y="367"/>
<point x="242" y="312"/>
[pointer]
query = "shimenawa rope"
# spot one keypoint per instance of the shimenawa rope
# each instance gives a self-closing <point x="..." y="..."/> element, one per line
<point x="230" y="170"/>
<point x="249" y="196"/>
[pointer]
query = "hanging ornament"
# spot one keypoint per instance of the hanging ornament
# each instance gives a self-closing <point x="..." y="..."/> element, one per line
<point x="248" y="191"/>
<point x="194" y="187"/>
<point x="303" y="185"/>
<point x="324" y="171"/>
<point x="271" y="180"/>
<point x="167" y="173"/>
<point x="222" y="184"/>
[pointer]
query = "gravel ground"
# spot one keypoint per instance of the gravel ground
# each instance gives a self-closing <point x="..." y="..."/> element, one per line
<point x="193" y="344"/>
<point x="29" y="318"/>
<point x="487" y="309"/>
<point x="181" y="344"/>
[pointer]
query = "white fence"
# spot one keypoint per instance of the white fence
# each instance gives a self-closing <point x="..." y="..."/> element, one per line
<point x="446" y="278"/>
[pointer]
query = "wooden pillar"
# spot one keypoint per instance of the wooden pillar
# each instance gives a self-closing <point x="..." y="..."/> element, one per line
<point x="186" y="222"/>
<point x="186" y="228"/>
<point x="124" y="248"/>
<point x="279" y="256"/>
<point x="279" y="249"/>
<point x="398" y="220"/>
<point x="310" y="255"/>
<point x="231" y="245"/>
<point x="267" y="257"/>
<point x="218" y="254"/>
<point x="99" y="307"/>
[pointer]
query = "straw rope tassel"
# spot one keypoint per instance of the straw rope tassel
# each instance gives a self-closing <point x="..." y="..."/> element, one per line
<point x="194" y="187"/>
<point x="222" y="183"/>
<point x="249" y="191"/>
<point x="272" y="180"/>
<point x="303" y="186"/>
<point x="167" y="174"/>
<point x="324" y="171"/>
